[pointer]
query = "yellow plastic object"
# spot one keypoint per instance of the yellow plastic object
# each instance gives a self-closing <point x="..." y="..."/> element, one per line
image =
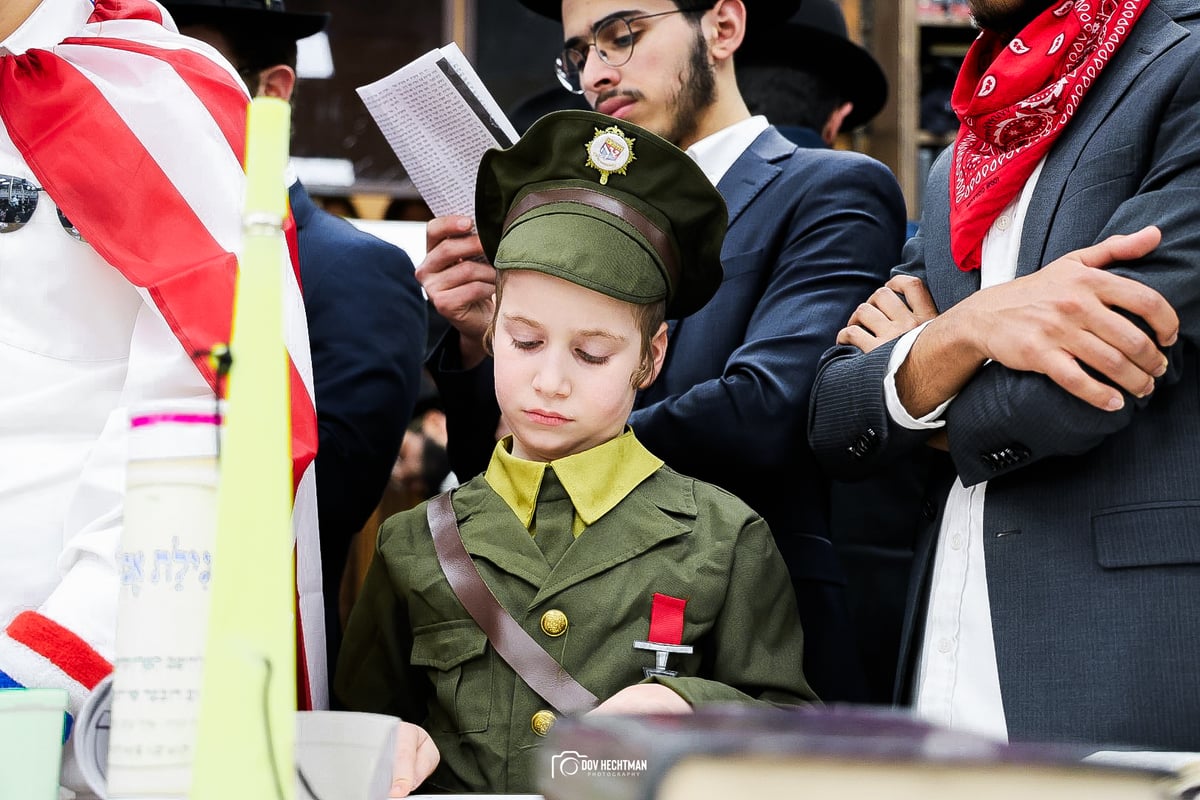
<point x="246" y="735"/>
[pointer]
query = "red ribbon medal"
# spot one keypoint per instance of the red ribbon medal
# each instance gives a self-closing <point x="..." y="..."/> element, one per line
<point x="666" y="633"/>
<point x="666" y="619"/>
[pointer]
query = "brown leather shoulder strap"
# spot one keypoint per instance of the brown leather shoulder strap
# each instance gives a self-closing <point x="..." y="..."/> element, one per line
<point x="527" y="658"/>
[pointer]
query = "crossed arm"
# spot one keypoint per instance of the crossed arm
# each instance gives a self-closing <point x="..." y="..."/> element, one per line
<point x="1060" y="321"/>
<point x="1072" y="323"/>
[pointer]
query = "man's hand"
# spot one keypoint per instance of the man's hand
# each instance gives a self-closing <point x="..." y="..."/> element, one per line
<point x="894" y="309"/>
<point x="459" y="281"/>
<point x="1064" y="317"/>
<point x="416" y="759"/>
<point x="1056" y="321"/>
<point x="644" y="698"/>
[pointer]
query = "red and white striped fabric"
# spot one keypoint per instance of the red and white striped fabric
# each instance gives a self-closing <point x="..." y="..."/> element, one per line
<point x="139" y="136"/>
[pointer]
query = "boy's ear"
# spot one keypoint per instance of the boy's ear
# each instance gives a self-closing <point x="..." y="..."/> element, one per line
<point x="489" y="335"/>
<point x="658" y="352"/>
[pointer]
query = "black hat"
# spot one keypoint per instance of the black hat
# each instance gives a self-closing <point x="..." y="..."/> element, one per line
<point x="770" y="10"/>
<point x="247" y="14"/>
<point x="815" y="40"/>
<point x="606" y="205"/>
<point x="533" y="107"/>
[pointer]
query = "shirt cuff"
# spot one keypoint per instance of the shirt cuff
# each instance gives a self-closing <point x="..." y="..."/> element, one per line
<point x="896" y="409"/>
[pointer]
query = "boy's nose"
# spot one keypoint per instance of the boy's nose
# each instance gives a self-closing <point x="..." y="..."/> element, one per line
<point x="551" y="380"/>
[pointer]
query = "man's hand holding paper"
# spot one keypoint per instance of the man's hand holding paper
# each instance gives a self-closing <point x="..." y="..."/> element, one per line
<point x="459" y="281"/>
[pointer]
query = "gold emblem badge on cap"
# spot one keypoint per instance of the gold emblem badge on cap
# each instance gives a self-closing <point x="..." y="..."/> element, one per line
<point x="610" y="151"/>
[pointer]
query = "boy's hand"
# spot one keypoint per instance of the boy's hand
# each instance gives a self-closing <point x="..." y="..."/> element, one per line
<point x="459" y="281"/>
<point x="644" y="698"/>
<point x="416" y="758"/>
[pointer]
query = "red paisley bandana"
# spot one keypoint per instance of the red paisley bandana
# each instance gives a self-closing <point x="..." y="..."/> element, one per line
<point x="1013" y="99"/>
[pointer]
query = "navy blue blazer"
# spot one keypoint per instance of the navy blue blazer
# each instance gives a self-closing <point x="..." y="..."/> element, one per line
<point x="873" y="524"/>
<point x="366" y="328"/>
<point x="1091" y="518"/>
<point x="810" y="236"/>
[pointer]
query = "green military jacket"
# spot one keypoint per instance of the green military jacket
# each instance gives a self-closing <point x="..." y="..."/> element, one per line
<point x="411" y="649"/>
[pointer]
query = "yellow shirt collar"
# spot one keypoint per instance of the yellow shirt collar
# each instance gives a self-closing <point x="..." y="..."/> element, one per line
<point x="596" y="479"/>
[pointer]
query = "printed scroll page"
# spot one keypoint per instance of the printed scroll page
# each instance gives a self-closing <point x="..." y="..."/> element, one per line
<point x="439" y="119"/>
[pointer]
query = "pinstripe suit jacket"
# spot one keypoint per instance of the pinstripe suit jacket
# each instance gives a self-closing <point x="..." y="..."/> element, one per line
<point x="1092" y="519"/>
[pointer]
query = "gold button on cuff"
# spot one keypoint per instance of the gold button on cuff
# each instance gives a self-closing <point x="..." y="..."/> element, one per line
<point x="542" y="722"/>
<point x="554" y="623"/>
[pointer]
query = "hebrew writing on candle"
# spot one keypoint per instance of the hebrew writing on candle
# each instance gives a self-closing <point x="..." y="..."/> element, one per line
<point x="165" y="563"/>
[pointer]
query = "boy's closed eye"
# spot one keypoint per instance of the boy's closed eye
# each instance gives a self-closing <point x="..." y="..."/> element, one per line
<point x="529" y="345"/>
<point x="588" y="358"/>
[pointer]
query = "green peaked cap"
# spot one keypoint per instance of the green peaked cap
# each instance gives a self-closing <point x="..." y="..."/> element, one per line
<point x="605" y="205"/>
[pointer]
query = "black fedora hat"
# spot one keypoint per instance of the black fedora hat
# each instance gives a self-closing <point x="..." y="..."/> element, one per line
<point x="247" y="14"/>
<point x="815" y="39"/>
<point x="756" y="9"/>
<point x="533" y="107"/>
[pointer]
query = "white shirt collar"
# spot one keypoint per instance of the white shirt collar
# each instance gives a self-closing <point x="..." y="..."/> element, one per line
<point x="716" y="152"/>
<point x="50" y="23"/>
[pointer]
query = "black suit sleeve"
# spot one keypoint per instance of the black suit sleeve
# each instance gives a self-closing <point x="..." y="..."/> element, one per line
<point x="366" y="321"/>
<point x="469" y="398"/>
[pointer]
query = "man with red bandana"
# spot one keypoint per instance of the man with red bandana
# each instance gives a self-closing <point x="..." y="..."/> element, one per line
<point x="1043" y="330"/>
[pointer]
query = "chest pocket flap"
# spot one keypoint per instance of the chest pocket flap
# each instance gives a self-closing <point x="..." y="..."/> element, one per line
<point x="453" y="652"/>
<point x="1147" y="535"/>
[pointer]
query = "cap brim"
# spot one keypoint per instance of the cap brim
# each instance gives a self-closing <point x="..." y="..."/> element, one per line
<point x="852" y="70"/>
<point x="294" y="25"/>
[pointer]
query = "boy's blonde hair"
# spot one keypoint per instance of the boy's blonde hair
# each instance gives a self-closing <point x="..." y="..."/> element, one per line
<point x="648" y="318"/>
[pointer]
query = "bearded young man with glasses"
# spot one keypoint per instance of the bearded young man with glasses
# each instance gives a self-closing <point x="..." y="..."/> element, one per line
<point x="810" y="235"/>
<point x="121" y="148"/>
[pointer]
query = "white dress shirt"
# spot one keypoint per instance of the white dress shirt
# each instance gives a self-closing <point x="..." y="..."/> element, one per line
<point x="716" y="152"/>
<point x="957" y="683"/>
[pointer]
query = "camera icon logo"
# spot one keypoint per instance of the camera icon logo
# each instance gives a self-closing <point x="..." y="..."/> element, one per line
<point x="565" y="763"/>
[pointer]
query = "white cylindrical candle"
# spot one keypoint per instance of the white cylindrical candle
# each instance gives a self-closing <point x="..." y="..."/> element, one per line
<point x="165" y="561"/>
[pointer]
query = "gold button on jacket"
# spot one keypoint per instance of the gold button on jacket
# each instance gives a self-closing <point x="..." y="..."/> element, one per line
<point x="554" y="623"/>
<point x="542" y="722"/>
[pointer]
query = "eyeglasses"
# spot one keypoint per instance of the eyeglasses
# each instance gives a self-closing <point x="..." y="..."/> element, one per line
<point x="613" y="40"/>
<point x="18" y="201"/>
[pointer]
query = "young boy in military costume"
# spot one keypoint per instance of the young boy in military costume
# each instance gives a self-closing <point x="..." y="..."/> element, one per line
<point x="624" y="586"/>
